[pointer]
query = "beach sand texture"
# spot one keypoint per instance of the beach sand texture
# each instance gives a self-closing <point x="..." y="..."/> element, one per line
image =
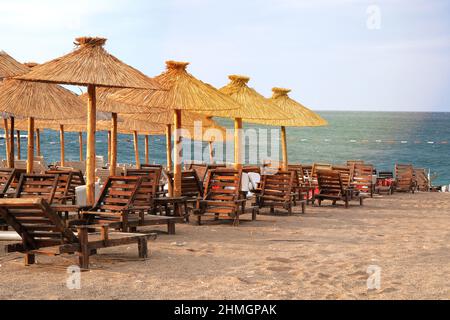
<point x="323" y="254"/>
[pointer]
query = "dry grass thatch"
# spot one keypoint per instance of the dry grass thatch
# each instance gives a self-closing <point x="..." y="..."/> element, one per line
<point x="301" y="116"/>
<point x="107" y="105"/>
<point x="184" y="92"/>
<point x="39" y="100"/>
<point x="89" y="64"/>
<point x="9" y="67"/>
<point x="255" y="107"/>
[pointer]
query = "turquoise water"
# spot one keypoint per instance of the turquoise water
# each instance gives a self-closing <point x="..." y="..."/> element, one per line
<point x="381" y="138"/>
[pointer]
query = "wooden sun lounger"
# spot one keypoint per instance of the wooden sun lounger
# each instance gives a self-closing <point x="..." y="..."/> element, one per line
<point x="43" y="232"/>
<point x="422" y="182"/>
<point x="222" y="197"/>
<point x="9" y="178"/>
<point x="119" y="206"/>
<point x="279" y="190"/>
<point x="363" y="179"/>
<point x="304" y="185"/>
<point x="404" y="178"/>
<point x="387" y="188"/>
<point x="332" y="188"/>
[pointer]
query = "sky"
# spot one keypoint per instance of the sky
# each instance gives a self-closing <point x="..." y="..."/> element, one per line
<point x="383" y="55"/>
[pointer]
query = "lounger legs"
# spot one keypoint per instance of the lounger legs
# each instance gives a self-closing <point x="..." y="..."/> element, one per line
<point x="170" y="227"/>
<point x="142" y="247"/>
<point x="30" y="259"/>
<point x="303" y="207"/>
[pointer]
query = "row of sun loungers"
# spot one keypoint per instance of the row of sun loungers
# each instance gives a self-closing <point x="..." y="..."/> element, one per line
<point x="42" y="208"/>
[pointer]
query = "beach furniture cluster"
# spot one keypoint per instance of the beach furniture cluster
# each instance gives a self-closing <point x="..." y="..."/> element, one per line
<point x="79" y="207"/>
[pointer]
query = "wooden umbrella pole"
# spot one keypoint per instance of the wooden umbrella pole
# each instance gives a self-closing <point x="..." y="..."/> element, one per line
<point x="30" y="155"/>
<point x="11" y="143"/>
<point x="169" y="155"/>
<point x="62" y="144"/>
<point x="237" y="143"/>
<point x="284" y="149"/>
<point x="38" y="142"/>
<point x="211" y="152"/>
<point x="177" y="159"/>
<point x="90" y="148"/>
<point x="136" y="149"/>
<point x="109" y="146"/>
<point x="169" y="147"/>
<point x="113" y="162"/>
<point x="147" y="158"/>
<point x="7" y="142"/>
<point x="18" y="144"/>
<point x="80" y="142"/>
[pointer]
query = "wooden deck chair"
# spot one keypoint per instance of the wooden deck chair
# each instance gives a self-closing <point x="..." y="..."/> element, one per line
<point x="68" y="180"/>
<point x="43" y="232"/>
<point x="149" y="187"/>
<point x="151" y="166"/>
<point x="306" y="188"/>
<point x="421" y="177"/>
<point x="332" y="188"/>
<point x="277" y="190"/>
<point x="191" y="186"/>
<point x="318" y="166"/>
<point x="77" y="165"/>
<point x="116" y="206"/>
<point x="222" y="197"/>
<point x="404" y="178"/>
<point x="363" y="179"/>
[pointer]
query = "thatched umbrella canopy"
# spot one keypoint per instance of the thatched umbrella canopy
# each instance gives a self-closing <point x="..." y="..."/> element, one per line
<point x="92" y="66"/>
<point x="301" y="117"/>
<point x="184" y="92"/>
<point x="256" y="109"/>
<point x="34" y="100"/>
<point x="10" y="67"/>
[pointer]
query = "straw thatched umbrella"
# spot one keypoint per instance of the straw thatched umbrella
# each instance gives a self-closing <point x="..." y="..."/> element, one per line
<point x="301" y="117"/>
<point x="184" y="92"/>
<point x="92" y="66"/>
<point x="256" y="109"/>
<point x="9" y="67"/>
<point x="37" y="101"/>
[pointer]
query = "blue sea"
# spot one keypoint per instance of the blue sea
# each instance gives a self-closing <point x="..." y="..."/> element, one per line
<point x="381" y="138"/>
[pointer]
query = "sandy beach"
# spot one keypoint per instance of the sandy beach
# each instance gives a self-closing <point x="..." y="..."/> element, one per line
<point x="323" y="254"/>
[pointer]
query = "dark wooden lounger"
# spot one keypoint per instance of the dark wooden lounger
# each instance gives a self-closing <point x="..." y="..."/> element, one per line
<point x="44" y="232"/>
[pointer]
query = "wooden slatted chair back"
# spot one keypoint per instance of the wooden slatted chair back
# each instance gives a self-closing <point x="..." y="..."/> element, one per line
<point x="318" y="166"/>
<point x="62" y="186"/>
<point x="346" y="174"/>
<point x="36" y="222"/>
<point x="404" y="176"/>
<point x="223" y="190"/>
<point x="353" y="162"/>
<point x="278" y="187"/>
<point x="148" y="186"/>
<point x="300" y="172"/>
<point x="330" y="183"/>
<point x="363" y="177"/>
<point x="423" y="184"/>
<point x="37" y="186"/>
<point x="118" y="193"/>
<point x="191" y="186"/>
